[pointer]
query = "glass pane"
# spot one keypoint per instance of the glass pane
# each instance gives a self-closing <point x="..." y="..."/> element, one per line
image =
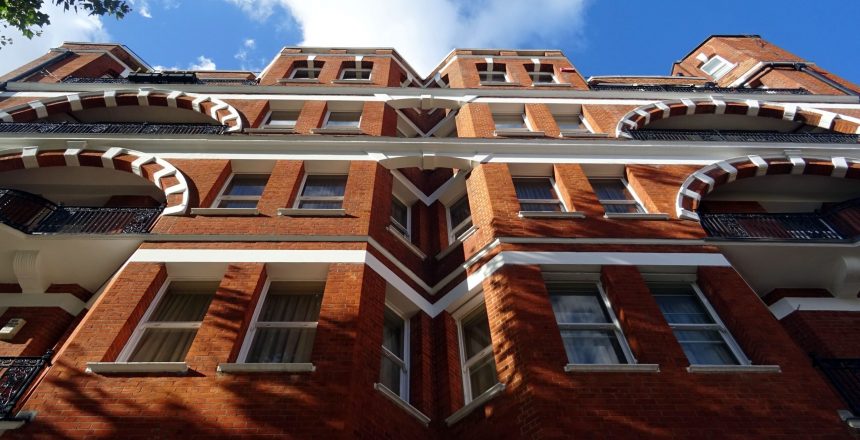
<point x="389" y="375"/>
<point x="680" y="305"/>
<point x="343" y="119"/>
<point x="577" y="303"/>
<point x="301" y="73"/>
<point x="237" y="204"/>
<point x="310" y="204"/>
<point x="542" y="77"/>
<point x="509" y="121"/>
<point x="592" y="347"/>
<point x="185" y="301"/>
<point x="459" y="211"/>
<point x="534" y="189"/>
<point x="610" y="189"/>
<point x="247" y="185"/>
<point x="163" y="345"/>
<point x="284" y="119"/>
<point x="392" y="333"/>
<point x="705" y="347"/>
<point x="282" y="345"/>
<point x="625" y="208"/>
<point x="292" y="302"/>
<point x="399" y="212"/>
<point x="540" y="207"/>
<point x="324" y="186"/>
<point x="482" y="376"/>
<point x="568" y="122"/>
<point x="476" y="332"/>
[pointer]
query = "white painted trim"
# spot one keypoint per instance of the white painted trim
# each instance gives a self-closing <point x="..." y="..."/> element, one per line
<point x="787" y="306"/>
<point x="397" y="400"/>
<point x="734" y="369"/>
<point x="467" y="409"/>
<point x="66" y="301"/>
<point x="136" y="367"/>
<point x="616" y="368"/>
<point x="301" y="367"/>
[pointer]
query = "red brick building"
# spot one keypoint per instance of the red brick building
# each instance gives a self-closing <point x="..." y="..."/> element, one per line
<point x="340" y="248"/>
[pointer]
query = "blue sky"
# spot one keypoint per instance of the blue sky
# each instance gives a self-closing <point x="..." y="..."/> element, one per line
<point x="601" y="37"/>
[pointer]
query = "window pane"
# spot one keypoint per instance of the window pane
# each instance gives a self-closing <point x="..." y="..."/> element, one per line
<point x="705" y="347"/>
<point x="534" y="189"/>
<point x="680" y="305"/>
<point x="592" y="347"/>
<point x="476" y="332"/>
<point x="389" y="375"/>
<point x="320" y="205"/>
<point x="610" y="189"/>
<point x="247" y="185"/>
<point x="459" y="211"/>
<point x="392" y="333"/>
<point x="185" y="301"/>
<point x="509" y="121"/>
<point x="284" y="119"/>
<point x="343" y="119"/>
<point x="324" y="186"/>
<point x="568" y="122"/>
<point x="482" y="376"/>
<point x="163" y="345"/>
<point x="540" y="207"/>
<point x="237" y="204"/>
<point x="280" y="307"/>
<point x="399" y="212"/>
<point x="282" y="345"/>
<point x="542" y="77"/>
<point x="622" y="208"/>
<point x="578" y="309"/>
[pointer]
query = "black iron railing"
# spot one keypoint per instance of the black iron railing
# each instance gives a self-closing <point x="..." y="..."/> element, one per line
<point x="742" y="136"/>
<point x="696" y="89"/>
<point x="838" y="223"/>
<point x="32" y="214"/>
<point x="844" y="375"/>
<point x="18" y="374"/>
<point x="110" y="128"/>
<point x="195" y="81"/>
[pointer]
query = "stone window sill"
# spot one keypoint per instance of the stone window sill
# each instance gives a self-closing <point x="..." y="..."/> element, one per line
<point x="272" y="130"/>
<point x="397" y="400"/>
<point x="582" y="134"/>
<point x="456" y="243"/>
<point x="849" y="418"/>
<point x="333" y="130"/>
<point x="296" y="212"/>
<point x="551" y="214"/>
<point x="636" y="216"/>
<point x="500" y="83"/>
<point x="519" y="133"/>
<point x="614" y="368"/>
<point x="8" y="425"/>
<point x="299" y="80"/>
<point x="227" y="368"/>
<point x="476" y="403"/>
<point x="136" y="367"/>
<point x="552" y="84"/>
<point x="226" y="211"/>
<point x="734" y="369"/>
<point x="352" y="81"/>
<point x="405" y="240"/>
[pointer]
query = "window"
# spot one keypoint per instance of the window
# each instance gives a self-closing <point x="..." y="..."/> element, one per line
<point x="459" y="218"/>
<point x="615" y="196"/>
<point x="537" y="194"/>
<point x="322" y="191"/>
<point x="394" y="373"/>
<point x="283" y="119"/>
<point x="510" y="121"/>
<point x="342" y="120"/>
<point x="568" y="123"/>
<point x="716" y="67"/>
<point x="311" y="70"/>
<point x="284" y="327"/>
<point x="492" y="72"/>
<point x="700" y="332"/>
<point x="356" y="70"/>
<point x="476" y="353"/>
<point x="590" y="332"/>
<point x="167" y="330"/>
<point x="242" y="191"/>
<point x="400" y="217"/>
<point x="541" y="73"/>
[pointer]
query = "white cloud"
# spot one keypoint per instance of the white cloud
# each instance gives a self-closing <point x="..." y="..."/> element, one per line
<point x="250" y="43"/>
<point x="142" y="8"/>
<point x="425" y="32"/>
<point x="65" y="26"/>
<point x="203" y="63"/>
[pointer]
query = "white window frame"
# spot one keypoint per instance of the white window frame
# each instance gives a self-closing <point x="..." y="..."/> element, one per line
<point x="269" y="123"/>
<point x="225" y="197"/>
<point x="538" y="74"/>
<point x="358" y="69"/>
<point x="636" y="200"/>
<point x="723" y="66"/>
<point x="452" y="236"/>
<point x="408" y="226"/>
<point x="527" y="126"/>
<point x="313" y="71"/>
<point x="403" y="363"/>
<point x="300" y="198"/>
<point x="466" y="310"/>
<point x="581" y="126"/>
<point x="255" y="324"/>
<point x="717" y="325"/>
<point x="144" y="323"/>
<point x="345" y="127"/>
<point x="552" y="183"/>
<point x="489" y="71"/>
<point x="614" y="325"/>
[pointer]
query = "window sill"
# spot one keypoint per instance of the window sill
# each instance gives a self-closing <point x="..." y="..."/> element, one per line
<point x="456" y="243"/>
<point x="333" y="130"/>
<point x="352" y="81"/>
<point x="500" y="83"/>
<point x="519" y="133"/>
<point x="226" y="211"/>
<point x="534" y="84"/>
<point x="551" y="214"/>
<point x="636" y="216"/>
<point x="405" y="240"/>
<point x="467" y="409"/>
<point x="397" y="400"/>
<point x="582" y="134"/>
<point x="273" y="130"/>
<point x="136" y="367"/>
<point x="296" y="212"/>
<point x="228" y="368"/>
<point x="614" y="368"/>
<point x="849" y="418"/>
<point x="299" y="80"/>
<point x="734" y="369"/>
<point x="8" y="425"/>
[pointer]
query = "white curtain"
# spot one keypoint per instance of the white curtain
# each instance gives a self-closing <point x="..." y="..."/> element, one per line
<point x="275" y="340"/>
<point x="185" y="302"/>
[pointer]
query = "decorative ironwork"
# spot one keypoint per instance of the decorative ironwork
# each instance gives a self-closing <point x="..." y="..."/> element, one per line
<point x="196" y="81"/>
<point x="844" y="375"/>
<point x="111" y="128"/>
<point x="742" y="136"/>
<point x="696" y="89"/>
<point x="32" y="214"/>
<point x="18" y="374"/>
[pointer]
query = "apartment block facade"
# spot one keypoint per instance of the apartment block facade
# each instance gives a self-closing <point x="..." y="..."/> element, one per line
<point x="339" y="247"/>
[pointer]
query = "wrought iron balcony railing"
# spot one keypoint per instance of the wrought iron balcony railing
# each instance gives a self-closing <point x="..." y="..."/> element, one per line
<point x="844" y="375"/>
<point x="32" y="214"/>
<point x="839" y="223"/>
<point x="742" y="136"/>
<point x="696" y="89"/>
<point x="18" y="374"/>
<point x="195" y="81"/>
<point x="110" y="128"/>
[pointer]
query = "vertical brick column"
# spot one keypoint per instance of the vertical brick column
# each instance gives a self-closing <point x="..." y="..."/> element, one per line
<point x="576" y="191"/>
<point x="421" y="383"/>
<point x="220" y="333"/>
<point x="493" y="200"/>
<point x="311" y="116"/>
<point x="541" y="119"/>
<point x="368" y="189"/>
<point x="110" y="323"/>
<point x="281" y="189"/>
<point x="378" y="119"/>
<point x="647" y="332"/>
<point x="475" y="120"/>
<point x="658" y="195"/>
<point x="446" y="367"/>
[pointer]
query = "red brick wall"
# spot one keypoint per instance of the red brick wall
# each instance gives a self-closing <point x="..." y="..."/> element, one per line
<point x="44" y="328"/>
<point x="825" y="334"/>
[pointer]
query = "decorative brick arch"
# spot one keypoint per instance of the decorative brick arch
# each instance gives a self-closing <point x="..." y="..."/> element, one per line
<point x="705" y="180"/>
<point x="158" y="171"/>
<point x="216" y="109"/>
<point x="644" y="115"/>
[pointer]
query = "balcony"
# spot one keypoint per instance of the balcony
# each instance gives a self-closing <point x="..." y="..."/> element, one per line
<point x="696" y="89"/>
<point x="742" y="136"/>
<point x="111" y="128"/>
<point x="32" y="214"/>
<point x="156" y="79"/>
<point x="839" y="223"/>
<point x="18" y="374"/>
<point x="844" y="375"/>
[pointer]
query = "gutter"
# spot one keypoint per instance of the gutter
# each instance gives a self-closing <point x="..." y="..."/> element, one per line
<point x="799" y="66"/>
<point x="63" y="54"/>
